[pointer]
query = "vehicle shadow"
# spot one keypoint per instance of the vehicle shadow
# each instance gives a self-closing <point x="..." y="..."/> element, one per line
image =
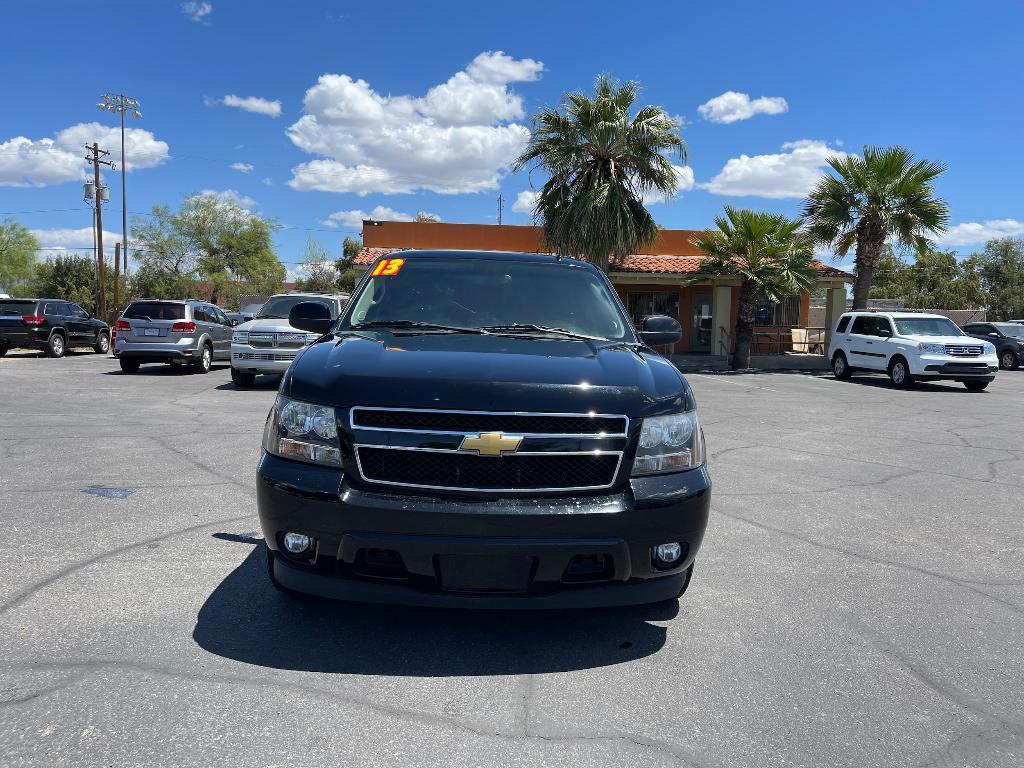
<point x="265" y="382"/>
<point x="882" y="382"/>
<point x="245" y="619"/>
<point x="162" y="369"/>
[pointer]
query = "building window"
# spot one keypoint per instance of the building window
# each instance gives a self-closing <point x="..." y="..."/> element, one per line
<point x="782" y="314"/>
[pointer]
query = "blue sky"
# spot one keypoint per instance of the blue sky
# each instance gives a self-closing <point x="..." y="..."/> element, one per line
<point x="327" y="110"/>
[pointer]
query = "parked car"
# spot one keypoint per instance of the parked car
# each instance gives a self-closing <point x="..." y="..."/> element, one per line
<point x="247" y="313"/>
<point x="910" y="347"/>
<point x="268" y="343"/>
<point x="190" y="332"/>
<point x="1007" y="337"/>
<point x="52" y="325"/>
<point x="483" y="430"/>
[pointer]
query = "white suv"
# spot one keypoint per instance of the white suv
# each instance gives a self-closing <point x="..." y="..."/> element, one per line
<point x="268" y="343"/>
<point x="910" y="347"/>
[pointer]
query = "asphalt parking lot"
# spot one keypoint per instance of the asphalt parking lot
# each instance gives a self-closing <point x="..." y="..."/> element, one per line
<point x="858" y="600"/>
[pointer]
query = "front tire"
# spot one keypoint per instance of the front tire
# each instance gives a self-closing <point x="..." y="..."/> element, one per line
<point x="128" y="365"/>
<point x="102" y="345"/>
<point x="975" y="386"/>
<point x="1008" y="361"/>
<point x="840" y="366"/>
<point x="205" y="361"/>
<point x="242" y="379"/>
<point x="899" y="373"/>
<point x="56" y="346"/>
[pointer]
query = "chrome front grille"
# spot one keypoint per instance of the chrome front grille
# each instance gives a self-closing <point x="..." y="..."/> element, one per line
<point x="422" y="448"/>
<point x="280" y="357"/>
<point x="283" y="340"/>
<point x="964" y="350"/>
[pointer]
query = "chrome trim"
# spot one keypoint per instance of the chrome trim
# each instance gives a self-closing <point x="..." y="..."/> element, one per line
<point x="352" y="424"/>
<point x="615" y="473"/>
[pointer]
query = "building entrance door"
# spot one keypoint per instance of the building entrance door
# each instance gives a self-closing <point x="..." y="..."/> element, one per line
<point x="700" y="329"/>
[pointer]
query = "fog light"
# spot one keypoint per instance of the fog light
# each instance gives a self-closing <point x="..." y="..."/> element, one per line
<point x="297" y="543"/>
<point x="669" y="553"/>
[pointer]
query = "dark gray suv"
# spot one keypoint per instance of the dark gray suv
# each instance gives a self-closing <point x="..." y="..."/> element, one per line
<point x="190" y="332"/>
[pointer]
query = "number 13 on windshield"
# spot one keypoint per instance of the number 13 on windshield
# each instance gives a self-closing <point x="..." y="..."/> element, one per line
<point x="387" y="267"/>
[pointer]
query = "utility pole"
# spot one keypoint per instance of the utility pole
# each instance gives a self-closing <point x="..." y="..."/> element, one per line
<point x="118" y="102"/>
<point x="94" y="158"/>
<point x="117" y="278"/>
<point x="501" y="205"/>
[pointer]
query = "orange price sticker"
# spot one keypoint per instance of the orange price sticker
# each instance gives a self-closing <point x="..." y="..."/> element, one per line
<point x="387" y="267"/>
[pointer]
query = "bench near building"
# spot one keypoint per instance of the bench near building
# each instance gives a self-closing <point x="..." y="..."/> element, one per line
<point x="666" y="281"/>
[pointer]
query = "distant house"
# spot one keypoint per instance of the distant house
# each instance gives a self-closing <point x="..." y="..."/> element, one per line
<point x="666" y="281"/>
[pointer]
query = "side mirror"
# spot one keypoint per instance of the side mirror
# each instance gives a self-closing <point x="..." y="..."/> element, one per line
<point x="885" y="333"/>
<point x="994" y="335"/>
<point x="232" y="322"/>
<point x="660" y="329"/>
<point x="310" y="316"/>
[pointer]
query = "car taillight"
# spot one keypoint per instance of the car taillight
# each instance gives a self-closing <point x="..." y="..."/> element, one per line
<point x="186" y="326"/>
<point x="122" y="325"/>
<point x="32" y="319"/>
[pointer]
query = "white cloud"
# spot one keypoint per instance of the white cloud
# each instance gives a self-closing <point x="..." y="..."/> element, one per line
<point x="268" y="181"/>
<point x="974" y="233"/>
<point x="242" y="167"/>
<point x="230" y="197"/>
<point x="197" y="11"/>
<point x="77" y="242"/>
<point x="255" y="104"/>
<point x="525" y="202"/>
<point x="732" y="106"/>
<point x="458" y="138"/>
<point x="37" y="163"/>
<point x="684" y="181"/>
<point x="355" y="218"/>
<point x="791" y="173"/>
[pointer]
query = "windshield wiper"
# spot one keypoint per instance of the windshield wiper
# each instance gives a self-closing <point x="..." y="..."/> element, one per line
<point x="416" y="325"/>
<point x="531" y="328"/>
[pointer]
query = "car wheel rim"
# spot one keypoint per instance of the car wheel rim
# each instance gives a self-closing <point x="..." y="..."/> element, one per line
<point x="1007" y="361"/>
<point x="58" y="345"/>
<point x="898" y="374"/>
<point x="206" y="358"/>
<point x="104" y="343"/>
<point x="839" y="366"/>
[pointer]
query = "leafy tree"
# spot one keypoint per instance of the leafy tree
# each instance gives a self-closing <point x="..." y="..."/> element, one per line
<point x="771" y="254"/>
<point x="72" y="278"/>
<point x="166" y="262"/>
<point x="601" y="163"/>
<point x="350" y="248"/>
<point x="18" y="249"/>
<point x="886" y="193"/>
<point x="936" y="280"/>
<point x="427" y="218"/>
<point x="347" y="275"/>
<point x="1001" y="270"/>
<point x="319" y="273"/>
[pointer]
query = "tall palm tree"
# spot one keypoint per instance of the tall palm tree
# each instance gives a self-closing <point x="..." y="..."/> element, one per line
<point x="886" y="193"/>
<point x="772" y="255"/>
<point x="601" y="164"/>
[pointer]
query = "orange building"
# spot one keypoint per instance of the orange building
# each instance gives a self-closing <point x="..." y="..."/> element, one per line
<point x="665" y="281"/>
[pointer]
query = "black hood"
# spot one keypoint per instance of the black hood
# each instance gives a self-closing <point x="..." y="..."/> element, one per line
<point x="489" y="373"/>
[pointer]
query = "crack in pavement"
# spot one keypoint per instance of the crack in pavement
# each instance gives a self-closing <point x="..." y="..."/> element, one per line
<point x="1013" y="607"/>
<point x="406" y="714"/>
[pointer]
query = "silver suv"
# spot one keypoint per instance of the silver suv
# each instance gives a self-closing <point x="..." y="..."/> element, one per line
<point x="267" y="343"/>
<point x="190" y="332"/>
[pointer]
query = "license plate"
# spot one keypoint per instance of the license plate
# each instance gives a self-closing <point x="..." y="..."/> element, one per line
<point x="150" y="331"/>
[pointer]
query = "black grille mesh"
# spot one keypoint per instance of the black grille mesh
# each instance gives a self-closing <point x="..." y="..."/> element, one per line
<point x="446" y="421"/>
<point x="459" y="470"/>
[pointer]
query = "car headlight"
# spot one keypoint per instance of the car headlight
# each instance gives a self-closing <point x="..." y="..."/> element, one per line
<point x="303" y="432"/>
<point x="932" y="349"/>
<point x="240" y="337"/>
<point x="990" y="349"/>
<point x="669" y="444"/>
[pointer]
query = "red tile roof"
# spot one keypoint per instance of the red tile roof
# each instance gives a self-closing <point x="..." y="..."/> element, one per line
<point x="638" y="263"/>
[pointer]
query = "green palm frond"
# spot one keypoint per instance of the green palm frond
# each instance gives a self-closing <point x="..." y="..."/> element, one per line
<point x="600" y="163"/>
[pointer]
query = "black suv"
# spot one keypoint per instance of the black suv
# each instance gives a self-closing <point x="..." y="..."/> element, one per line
<point x="52" y="325"/>
<point x="485" y="430"/>
<point x="1007" y="337"/>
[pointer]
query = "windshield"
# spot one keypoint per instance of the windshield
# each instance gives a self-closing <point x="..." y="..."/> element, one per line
<point x="483" y="293"/>
<point x="926" y="326"/>
<point x="1010" y="329"/>
<point x="280" y="306"/>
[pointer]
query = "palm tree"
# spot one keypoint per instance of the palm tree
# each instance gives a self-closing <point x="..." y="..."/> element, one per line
<point x="886" y="193"/>
<point x="601" y="164"/>
<point x="771" y="254"/>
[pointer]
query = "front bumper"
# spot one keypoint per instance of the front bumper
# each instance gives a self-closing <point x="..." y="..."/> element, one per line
<point x="261" y="360"/>
<point x="939" y="367"/>
<point x="551" y="552"/>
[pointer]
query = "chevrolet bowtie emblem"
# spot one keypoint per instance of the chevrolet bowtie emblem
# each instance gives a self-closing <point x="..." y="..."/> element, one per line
<point x="491" y="443"/>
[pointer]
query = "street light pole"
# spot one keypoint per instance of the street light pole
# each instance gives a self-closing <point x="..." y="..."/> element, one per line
<point x="118" y="102"/>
